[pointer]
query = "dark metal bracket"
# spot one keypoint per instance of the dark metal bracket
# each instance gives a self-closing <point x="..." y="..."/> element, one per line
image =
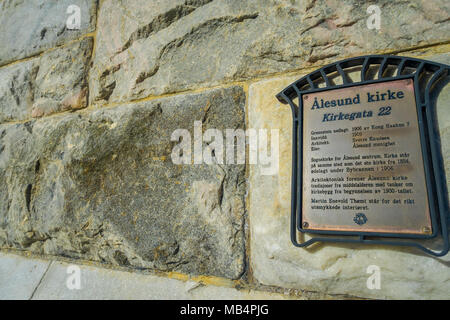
<point x="429" y="79"/>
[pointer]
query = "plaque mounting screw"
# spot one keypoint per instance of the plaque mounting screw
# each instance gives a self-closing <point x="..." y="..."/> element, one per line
<point x="305" y="224"/>
<point x="426" y="230"/>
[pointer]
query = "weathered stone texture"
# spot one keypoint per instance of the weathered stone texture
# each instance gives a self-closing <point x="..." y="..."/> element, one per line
<point x="154" y="47"/>
<point x="443" y="115"/>
<point x="55" y="81"/>
<point x="406" y="273"/>
<point x="30" y="27"/>
<point x="101" y="185"/>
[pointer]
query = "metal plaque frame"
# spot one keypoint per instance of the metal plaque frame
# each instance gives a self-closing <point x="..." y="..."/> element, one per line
<point x="429" y="78"/>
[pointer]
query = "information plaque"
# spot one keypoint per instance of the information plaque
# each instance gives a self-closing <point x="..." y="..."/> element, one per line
<point x="367" y="165"/>
<point x="364" y="163"/>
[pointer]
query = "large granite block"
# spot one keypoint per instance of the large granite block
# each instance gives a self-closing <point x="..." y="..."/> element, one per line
<point x="101" y="185"/>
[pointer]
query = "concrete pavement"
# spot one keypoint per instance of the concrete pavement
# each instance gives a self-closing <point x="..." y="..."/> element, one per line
<point x="31" y="278"/>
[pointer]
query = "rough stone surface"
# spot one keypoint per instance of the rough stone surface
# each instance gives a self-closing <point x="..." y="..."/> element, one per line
<point x="30" y="27"/>
<point x="153" y="47"/>
<point x="53" y="82"/>
<point x="331" y="268"/>
<point x="101" y="185"/>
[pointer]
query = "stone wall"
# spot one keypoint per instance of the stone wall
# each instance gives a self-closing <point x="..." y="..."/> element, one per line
<point x="87" y="115"/>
